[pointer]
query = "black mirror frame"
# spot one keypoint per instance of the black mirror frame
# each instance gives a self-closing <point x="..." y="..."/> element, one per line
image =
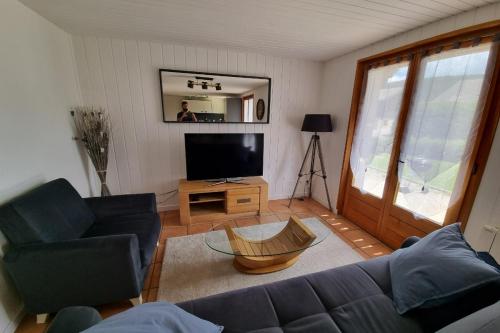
<point x="268" y="108"/>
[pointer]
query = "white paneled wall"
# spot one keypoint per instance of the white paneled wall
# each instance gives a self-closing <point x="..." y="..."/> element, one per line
<point x="147" y="154"/>
<point x="337" y="84"/>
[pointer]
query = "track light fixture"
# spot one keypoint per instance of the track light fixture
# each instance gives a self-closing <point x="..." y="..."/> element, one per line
<point x="204" y="82"/>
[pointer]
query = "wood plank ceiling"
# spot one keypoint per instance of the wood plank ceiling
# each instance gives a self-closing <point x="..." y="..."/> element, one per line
<point x="310" y="29"/>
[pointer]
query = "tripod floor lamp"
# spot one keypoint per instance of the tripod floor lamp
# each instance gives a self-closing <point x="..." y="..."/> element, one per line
<point x="314" y="123"/>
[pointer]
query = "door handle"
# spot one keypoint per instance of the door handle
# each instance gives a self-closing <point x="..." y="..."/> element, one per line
<point x="397" y="165"/>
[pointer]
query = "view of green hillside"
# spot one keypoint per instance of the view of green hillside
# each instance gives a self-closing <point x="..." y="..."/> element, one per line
<point x="445" y="180"/>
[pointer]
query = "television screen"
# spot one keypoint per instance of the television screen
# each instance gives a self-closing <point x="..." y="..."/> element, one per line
<point x="219" y="156"/>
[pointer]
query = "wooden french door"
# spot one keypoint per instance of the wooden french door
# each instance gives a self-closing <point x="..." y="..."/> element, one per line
<point x="381" y="98"/>
<point x="421" y="127"/>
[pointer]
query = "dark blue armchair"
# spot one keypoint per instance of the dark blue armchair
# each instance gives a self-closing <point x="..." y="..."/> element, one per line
<point x="65" y="250"/>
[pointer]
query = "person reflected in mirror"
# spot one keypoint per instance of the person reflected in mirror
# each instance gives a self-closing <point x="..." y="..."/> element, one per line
<point x="185" y="115"/>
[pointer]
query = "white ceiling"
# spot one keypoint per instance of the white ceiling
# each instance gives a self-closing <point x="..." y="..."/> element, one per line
<point x="311" y="29"/>
<point x="176" y="84"/>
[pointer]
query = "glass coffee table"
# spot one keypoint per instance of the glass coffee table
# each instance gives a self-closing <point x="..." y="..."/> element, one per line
<point x="266" y="248"/>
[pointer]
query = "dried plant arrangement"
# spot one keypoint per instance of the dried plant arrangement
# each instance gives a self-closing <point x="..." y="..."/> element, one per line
<point x="93" y="130"/>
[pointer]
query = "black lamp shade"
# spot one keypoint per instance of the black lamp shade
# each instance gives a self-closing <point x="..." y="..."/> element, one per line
<point x="317" y="123"/>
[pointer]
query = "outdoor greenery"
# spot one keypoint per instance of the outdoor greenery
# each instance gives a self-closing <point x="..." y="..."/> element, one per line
<point x="445" y="179"/>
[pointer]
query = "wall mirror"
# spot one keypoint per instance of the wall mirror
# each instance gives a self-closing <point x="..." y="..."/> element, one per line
<point x="214" y="98"/>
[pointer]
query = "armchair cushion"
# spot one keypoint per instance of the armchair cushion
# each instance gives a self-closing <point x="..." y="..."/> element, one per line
<point x="145" y="226"/>
<point x="125" y="204"/>
<point x="50" y="213"/>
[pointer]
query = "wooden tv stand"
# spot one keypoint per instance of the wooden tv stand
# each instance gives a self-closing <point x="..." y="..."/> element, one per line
<point x="200" y="202"/>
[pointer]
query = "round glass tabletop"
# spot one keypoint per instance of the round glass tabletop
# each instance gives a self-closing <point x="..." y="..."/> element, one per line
<point x="269" y="239"/>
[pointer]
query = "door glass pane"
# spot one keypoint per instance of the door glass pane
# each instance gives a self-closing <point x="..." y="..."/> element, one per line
<point x="245" y="110"/>
<point x="375" y="127"/>
<point x="250" y="110"/>
<point x="441" y="130"/>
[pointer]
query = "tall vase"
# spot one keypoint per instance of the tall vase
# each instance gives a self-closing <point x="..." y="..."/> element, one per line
<point x="93" y="128"/>
<point x="104" y="187"/>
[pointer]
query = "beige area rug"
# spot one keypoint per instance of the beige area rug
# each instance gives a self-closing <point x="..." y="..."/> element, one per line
<point x="192" y="270"/>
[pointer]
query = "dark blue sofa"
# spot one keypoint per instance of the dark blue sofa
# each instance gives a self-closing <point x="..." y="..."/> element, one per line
<point x="65" y="250"/>
<point x="352" y="298"/>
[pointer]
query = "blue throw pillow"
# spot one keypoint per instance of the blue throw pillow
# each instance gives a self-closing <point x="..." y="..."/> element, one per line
<point x="157" y="317"/>
<point x="437" y="269"/>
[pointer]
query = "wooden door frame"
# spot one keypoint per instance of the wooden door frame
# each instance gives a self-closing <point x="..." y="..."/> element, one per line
<point x="492" y="108"/>
<point x="243" y="99"/>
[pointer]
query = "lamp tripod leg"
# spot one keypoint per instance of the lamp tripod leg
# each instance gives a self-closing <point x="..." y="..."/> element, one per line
<point x="313" y="158"/>
<point x="320" y="151"/>
<point x="300" y="172"/>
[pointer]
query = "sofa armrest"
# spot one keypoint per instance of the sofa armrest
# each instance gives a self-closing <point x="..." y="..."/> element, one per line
<point x="409" y="241"/>
<point x="122" y="204"/>
<point x="74" y="319"/>
<point x="87" y="271"/>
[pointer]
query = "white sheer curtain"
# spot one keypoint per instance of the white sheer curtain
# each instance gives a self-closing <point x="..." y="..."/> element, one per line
<point x="375" y="127"/>
<point x="248" y="109"/>
<point x="441" y="129"/>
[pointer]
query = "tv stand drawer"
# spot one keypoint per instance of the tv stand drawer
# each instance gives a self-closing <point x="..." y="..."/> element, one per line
<point x="243" y="191"/>
<point x="242" y="200"/>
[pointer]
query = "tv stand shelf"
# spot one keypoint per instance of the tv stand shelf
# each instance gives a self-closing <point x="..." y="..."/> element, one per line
<point x="201" y="201"/>
<point x="207" y="197"/>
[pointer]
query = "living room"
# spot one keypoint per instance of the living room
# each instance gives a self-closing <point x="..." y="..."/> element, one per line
<point x="347" y="137"/>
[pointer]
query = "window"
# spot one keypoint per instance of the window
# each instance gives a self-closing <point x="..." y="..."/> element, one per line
<point x="442" y="128"/>
<point x="423" y="118"/>
<point x="248" y="108"/>
<point x="375" y="127"/>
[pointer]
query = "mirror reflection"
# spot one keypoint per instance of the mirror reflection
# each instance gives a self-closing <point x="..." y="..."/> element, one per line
<point x="214" y="98"/>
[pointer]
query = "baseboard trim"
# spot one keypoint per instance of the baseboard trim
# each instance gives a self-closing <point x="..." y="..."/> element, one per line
<point x="163" y="208"/>
<point x="14" y="324"/>
<point x="324" y="202"/>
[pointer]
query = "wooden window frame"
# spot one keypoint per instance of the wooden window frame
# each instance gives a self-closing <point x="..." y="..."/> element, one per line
<point x="491" y="113"/>
<point x="243" y="99"/>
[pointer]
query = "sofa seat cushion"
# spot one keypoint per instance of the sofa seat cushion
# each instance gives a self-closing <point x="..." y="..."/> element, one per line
<point x="353" y="298"/>
<point x="317" y="323"/>
<point x="145" y="226"/>
<point x="486" y="320"/>
<point x="51" y="212"/>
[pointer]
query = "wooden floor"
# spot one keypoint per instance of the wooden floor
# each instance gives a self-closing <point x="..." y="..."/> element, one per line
<point x="359" y="240"/>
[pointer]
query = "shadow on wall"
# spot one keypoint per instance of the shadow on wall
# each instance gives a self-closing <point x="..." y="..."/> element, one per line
<point x="7" y="194"/>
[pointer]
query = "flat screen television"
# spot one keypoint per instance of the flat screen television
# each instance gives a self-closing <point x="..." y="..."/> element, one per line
<point x="222" y="156"/>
